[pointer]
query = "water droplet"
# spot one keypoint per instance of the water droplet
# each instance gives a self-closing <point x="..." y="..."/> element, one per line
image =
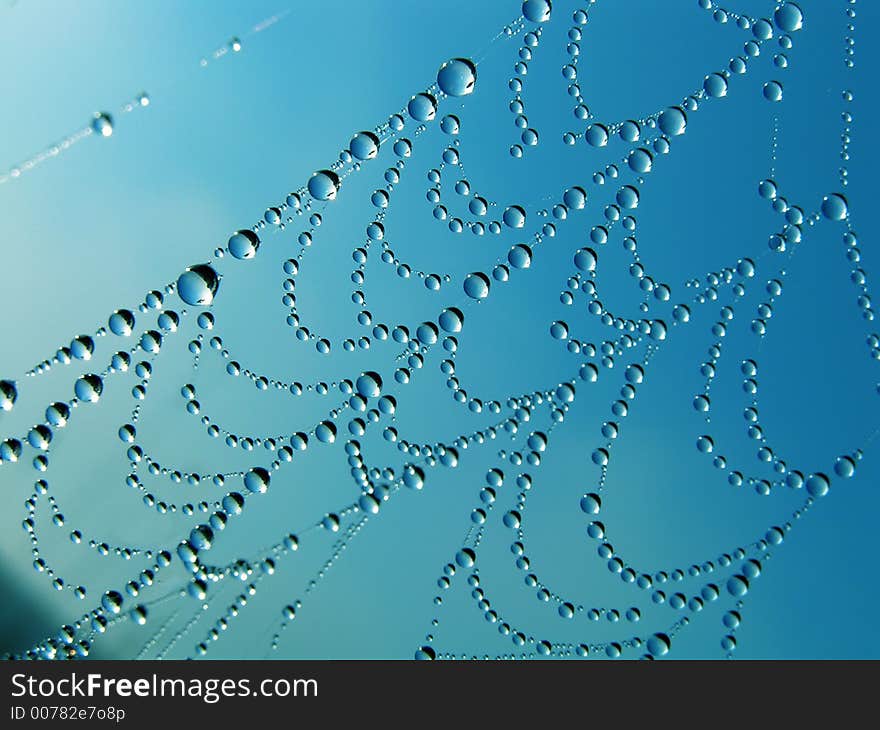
<point x="102" y="124"/>
<point x="537" y="11"/>
<point x="715" y="85"/>
<point x="658" y="645"/>
<point x="57" y="414"/>
<point x="88" y="388"/>
<point x="772" y="91"/>
<point x="591" y="503"/>
<point x="326" y="432"/>
<point x="514" y="217"/>
<point x="256" y="481"/>
<point x="139" y="614"/>
<point x="788" y="17"/>
<point x="738" y="586"/>
<point x="450" y="124"/>
<point x="834" y="207"/>
<point x="476" y="285"/>
<point x="845" y="467"/>
<point x="520" y="256"/>
<point x="575" y="198"/>
<point x="673" y="121"/>
<point x="768" y="189"/>
<point x="111" y="601"/>
<point x="8" y="395"/>
<point x="451" y="320"/>
<point x="596" y="135"/>
<point x="121" y="323"/>
<point x="818" y="485"/>
<point x="457" y="77"/>
<point x="422" y="107"/>
<point x="466" y="558"/>
<point x="198" y="285"/>
<point x="585" y="259"/>
<point x="244" y="244"/>
<point x="559" y="330"/>
<point x="363" y="146"/>
<point x="369" y="384"/>
<point x="82" y="347"/>
<point x="324" y="185"/>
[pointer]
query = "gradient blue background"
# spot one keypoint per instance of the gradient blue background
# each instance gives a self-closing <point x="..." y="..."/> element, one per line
<point x="113" y="218"/>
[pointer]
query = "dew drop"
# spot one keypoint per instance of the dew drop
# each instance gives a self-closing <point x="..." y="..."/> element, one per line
<point x="772" y="91"/>
<point x="585" y="259"/>
<point x="369" y="384"/>
<point x="324" y="185"/>
<point x="243" y="244"/>
<point x="673" y="121"/>
<point x="88" y="388"/>
<point x="422" y="107"/>
<point x="788" y="17"/>
<point x="537" y="11"/>
<point x="363" y="146"/>
<point x="121" y="323"/>
<point x="514" y="217"/>
<point x="834" y="207"/>
<point x="256" y="480"/>
<point x="520" y="256"/>
<point x="8" y="395"/>
<point x="102" y="124"/>
<point x="476" y="285"/>
<point x="457" y="77"/>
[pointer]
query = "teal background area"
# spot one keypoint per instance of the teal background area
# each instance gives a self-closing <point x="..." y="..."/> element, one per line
<point x="111" y="219"/>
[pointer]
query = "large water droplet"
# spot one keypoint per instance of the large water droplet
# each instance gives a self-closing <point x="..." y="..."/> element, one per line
<point x="324" y="185"/>
<point x="772" y="91"/>
<point x="451" y="320"/>
<point x="585" y="259"/>
<point x="596" y="135"/>
<point x="788" y="17"/>
<point x="658" y="645"/>
<point x="8" y="395"/>
<point x="121" y="323"/>
<point x="256" y="481"/>
<point x="102" y="124"/>
<point x="520" y="256"/>
<point x="834" y="207"/>
<point x="198" y="285"/>
<point x="326" y="432"/>
<point x="244" y="244"/>
<point x="715" y="85"/>
<point x="422" y="107"/>
<point x="476" y="285"/>
<point x="88" y="388"/>
<point x="514" y="217"/>
<point x="457" y="77"/>
<point x="450" y="124"/>
<point x="369" y="384"/>
<point x="673" y="121"/>
<point x="575" y="198"/>
<point x="818" y="485"/>
<point x="57" y="414"/>
<point x="112" y="601"/>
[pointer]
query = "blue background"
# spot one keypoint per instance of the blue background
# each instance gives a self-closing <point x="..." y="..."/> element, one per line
<point x="111" y="219"/>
